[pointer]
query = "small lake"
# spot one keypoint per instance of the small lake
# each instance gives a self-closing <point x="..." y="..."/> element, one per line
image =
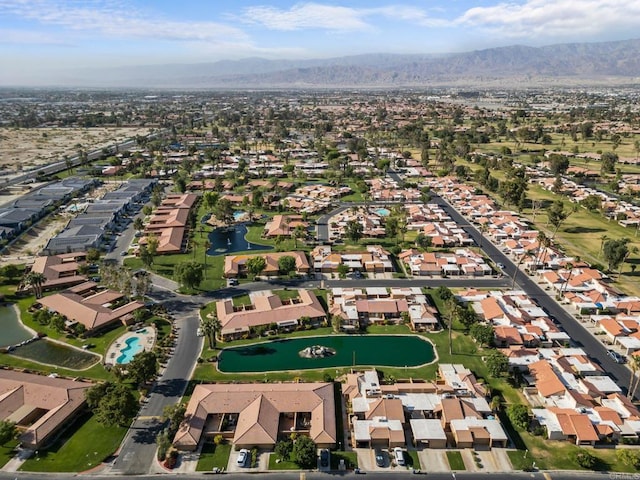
<point x="52" y="353"/>
<point x="350" y="350"/>
<point x="13" y="332"/>
<point x="231" y="240"/>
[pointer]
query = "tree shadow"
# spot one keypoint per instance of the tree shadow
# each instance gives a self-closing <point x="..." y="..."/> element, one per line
<point x="579" y="230"/>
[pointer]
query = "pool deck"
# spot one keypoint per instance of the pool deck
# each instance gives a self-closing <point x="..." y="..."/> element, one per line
<point x="147" y="336"/>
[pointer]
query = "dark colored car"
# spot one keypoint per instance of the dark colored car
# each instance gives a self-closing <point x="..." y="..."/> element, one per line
<point x="380" y="458"/>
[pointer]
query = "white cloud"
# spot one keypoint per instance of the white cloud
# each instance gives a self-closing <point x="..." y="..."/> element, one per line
<point x="114" y="18"/>
<point x="307" y="15"/>
<point x="333" y="18"/>
<point x="554" y="18"/>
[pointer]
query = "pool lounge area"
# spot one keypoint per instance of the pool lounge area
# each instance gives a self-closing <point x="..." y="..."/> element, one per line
<point x="128" y="345"/>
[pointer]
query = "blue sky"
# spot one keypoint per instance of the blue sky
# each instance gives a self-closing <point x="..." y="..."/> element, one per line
<point x="41" y="36"/>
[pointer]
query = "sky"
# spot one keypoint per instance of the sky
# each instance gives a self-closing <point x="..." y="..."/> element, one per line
<point x="41" y="37"/>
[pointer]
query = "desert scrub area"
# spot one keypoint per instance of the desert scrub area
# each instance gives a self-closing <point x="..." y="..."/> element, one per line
<point x="21" y="148"/>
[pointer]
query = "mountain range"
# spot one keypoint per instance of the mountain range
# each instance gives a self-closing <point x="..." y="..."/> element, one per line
<point x="563" y="64"/>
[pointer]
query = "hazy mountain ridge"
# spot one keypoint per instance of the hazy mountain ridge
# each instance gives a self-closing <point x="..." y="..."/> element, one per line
<point x="580" y="61"/>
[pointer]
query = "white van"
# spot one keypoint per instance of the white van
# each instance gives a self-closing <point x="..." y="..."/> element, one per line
<point x="398" y="454"/>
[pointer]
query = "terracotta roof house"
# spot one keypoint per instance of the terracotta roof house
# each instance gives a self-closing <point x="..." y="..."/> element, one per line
<point x="94" y="309"/>
<point x="235" y="265"/>
<point x="283" y="225"/>
<point x="60" y="270"/>
<point x="374" y="260"/>
<point x="259" y="414"/>
<point x="39" y="406"/>
<point x="170" y="222"/>
<point x="567" y="424"/>
<point x="267" y="309"/>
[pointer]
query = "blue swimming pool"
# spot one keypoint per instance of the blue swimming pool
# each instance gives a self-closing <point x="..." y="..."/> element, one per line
<point x="133" y="347"/>
<point x="383" y="212"/>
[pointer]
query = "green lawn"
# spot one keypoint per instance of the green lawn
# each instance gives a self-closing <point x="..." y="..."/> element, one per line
<point x="213" y="456"/>
<point x="81" y="448"/>
<point x="7" y="452"/>
<point x="286" y="294"/>
<point x="455" y="460"/>
<point x="412" y="459"/>
<point x="276" y="464"/>
<point x="241" y="300"/>
<point x="350" y="459"/>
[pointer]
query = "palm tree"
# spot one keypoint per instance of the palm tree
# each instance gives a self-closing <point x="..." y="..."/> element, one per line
<point x="543" y="243"/>
<point x="603" y="239"/>
<point x="569" y="268"/>
<point x="36" y="280"/>
<point x="207" y="246"/>
<point x="210" y="327"/>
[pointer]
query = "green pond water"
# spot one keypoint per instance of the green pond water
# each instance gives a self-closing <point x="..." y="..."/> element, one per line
<point x="351" y="350"/>
<point x="13" y="332"/>
<point x="53" y="353"/>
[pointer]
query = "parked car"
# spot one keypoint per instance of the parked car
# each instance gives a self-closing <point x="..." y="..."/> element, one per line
<point x="243" y="455"/>
<point x="500" y="266"/>
<point x="398" y="455"/>
<point x="233" y="282"/>
<point x="615" y="356"/>
<point x="381" y="460"/>
<point x="324" y="458"/>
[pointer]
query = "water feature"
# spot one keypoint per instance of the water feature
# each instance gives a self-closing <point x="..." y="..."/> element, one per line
<point x="53" y="353"/>
<point x="13" y="332"/>
<point x="239" y="215"/>
<point x="232" y="239"/>
<point x="350" y="350"/>
<point x="133" y="347"/>
<point x="383" y="212"/>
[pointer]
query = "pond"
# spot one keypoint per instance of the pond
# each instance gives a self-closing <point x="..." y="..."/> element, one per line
<point x="53" y="353"/>
<point x="350" y="350"/>
<point x="232" y="239"/>
<point x="13" y="332"/>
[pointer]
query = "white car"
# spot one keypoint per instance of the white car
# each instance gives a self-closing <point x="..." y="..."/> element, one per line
<point x="243" y="455"/>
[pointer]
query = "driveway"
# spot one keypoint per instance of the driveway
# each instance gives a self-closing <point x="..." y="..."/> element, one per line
<point x="433" y="460"/>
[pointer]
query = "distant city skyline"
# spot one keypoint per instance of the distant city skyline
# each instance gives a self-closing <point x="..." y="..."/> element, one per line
<point x="40" y="38"/>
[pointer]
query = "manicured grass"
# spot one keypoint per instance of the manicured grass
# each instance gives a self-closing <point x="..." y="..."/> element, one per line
<point x="350" y="459"/>
<point x="286" y="294"/>
<point x="81" y="448"/>
<point x="455" y="460"/>
<point x="274" y="464"/>
<point x="241" y="300"/>
<point x="213" y="456"/>
<point x="518" y="459"/>
<point x="7" y="452"/>
<point x="412" y="459"/>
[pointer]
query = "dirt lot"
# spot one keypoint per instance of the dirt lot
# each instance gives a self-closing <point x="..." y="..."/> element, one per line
<point x="29" y="147"/>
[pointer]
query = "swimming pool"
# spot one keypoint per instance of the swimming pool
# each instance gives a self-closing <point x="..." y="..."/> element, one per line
<point x="383" y="212"/>
<point x="127" y="353"/>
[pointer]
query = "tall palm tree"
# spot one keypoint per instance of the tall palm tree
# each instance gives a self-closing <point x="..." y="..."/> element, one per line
<point x="207" y="246"/>
<point x="210" y="327"/>
<point x="36" y="280"/>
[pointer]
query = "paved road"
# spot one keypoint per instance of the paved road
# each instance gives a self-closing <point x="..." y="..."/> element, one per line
<point x="350" y="475"/>
<point x="137" y="451"/>
<point x="580" y="335"/>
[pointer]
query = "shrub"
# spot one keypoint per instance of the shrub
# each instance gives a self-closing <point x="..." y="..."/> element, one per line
<point x="519" y="416"/>
<point x="585" y="459"/>
<point x="629" y="457"/>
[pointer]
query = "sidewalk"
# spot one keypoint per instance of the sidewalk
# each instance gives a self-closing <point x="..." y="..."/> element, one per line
<point x="16" y="462"/>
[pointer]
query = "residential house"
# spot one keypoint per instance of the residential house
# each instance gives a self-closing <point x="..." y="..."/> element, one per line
<point x="258" y="415"/>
